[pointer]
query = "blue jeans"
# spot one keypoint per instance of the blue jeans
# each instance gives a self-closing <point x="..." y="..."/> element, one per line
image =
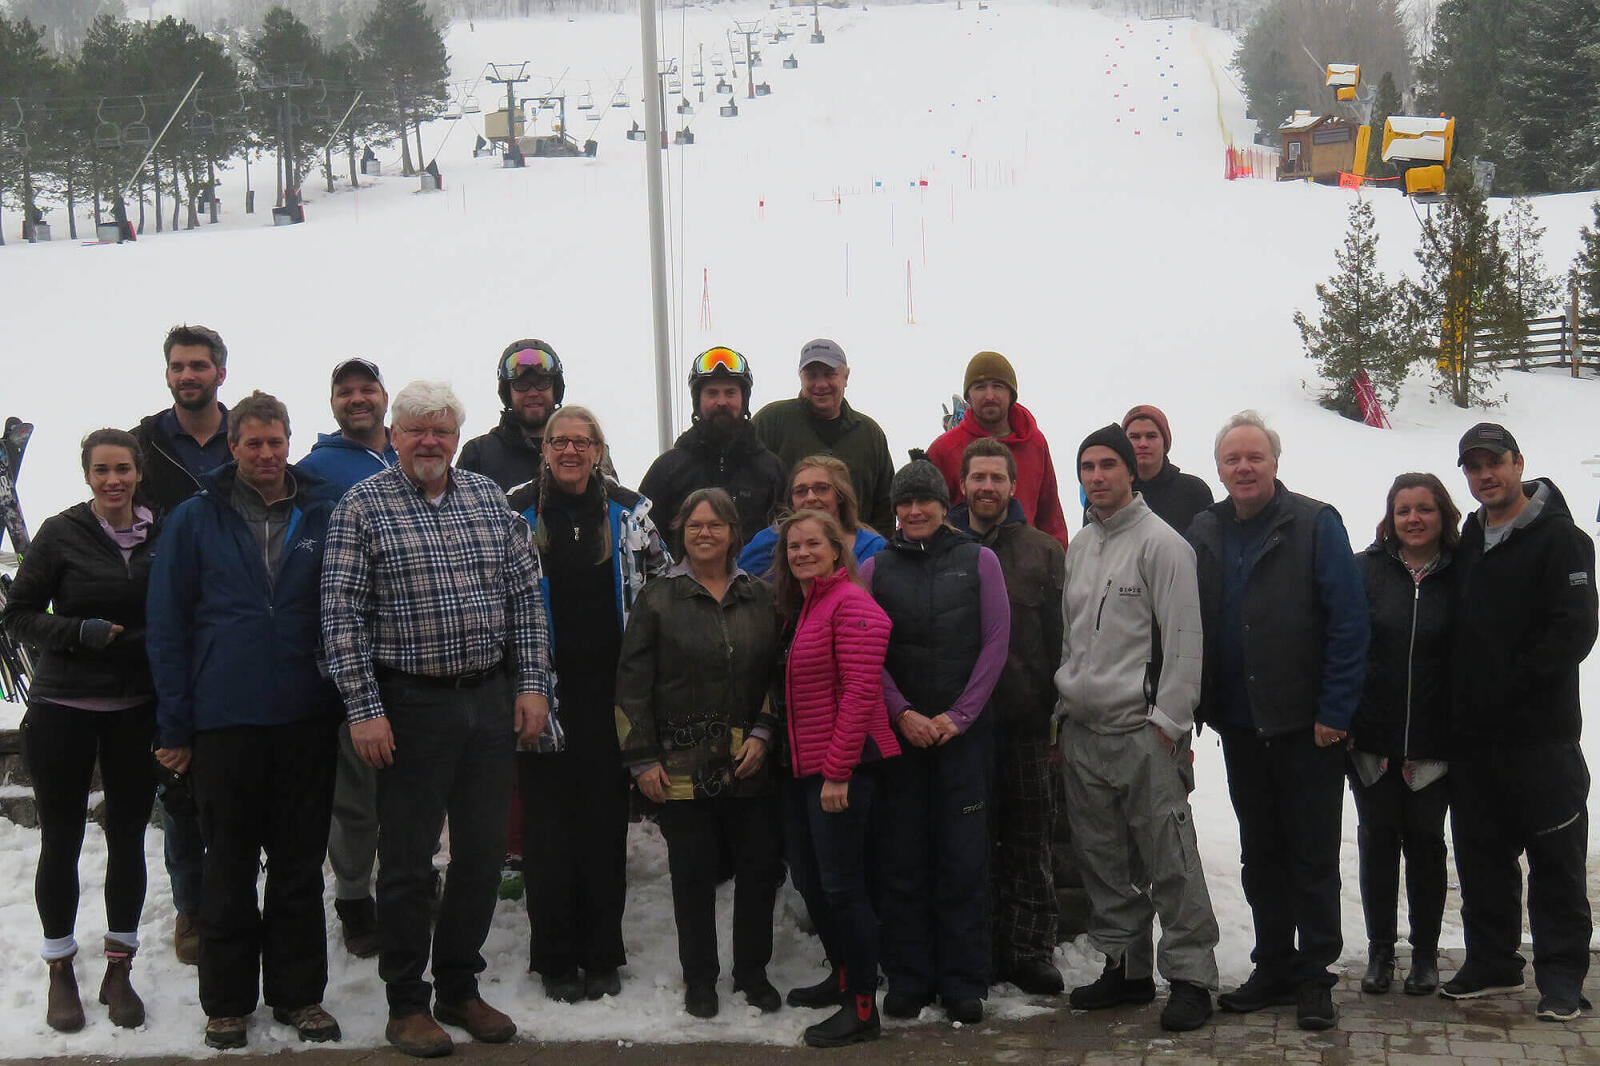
<point x="827" y="862"/>
<point x="185" y="854"/>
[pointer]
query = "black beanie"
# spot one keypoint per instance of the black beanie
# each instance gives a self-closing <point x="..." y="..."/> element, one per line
<point x="919" y="480"/>
<point x="1115" y="438"/>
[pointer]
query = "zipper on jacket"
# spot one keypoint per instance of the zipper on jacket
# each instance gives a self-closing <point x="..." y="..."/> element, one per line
<point x="1102" y="608"/>
<point x="1411" y="652"/>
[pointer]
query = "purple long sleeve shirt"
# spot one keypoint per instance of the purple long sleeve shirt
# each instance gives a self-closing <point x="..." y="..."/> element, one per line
<point x="995" y="620"/>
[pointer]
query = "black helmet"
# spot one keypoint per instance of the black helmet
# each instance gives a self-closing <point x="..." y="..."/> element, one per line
<point x="529" y="357"/>
<point x="720" y="362"/>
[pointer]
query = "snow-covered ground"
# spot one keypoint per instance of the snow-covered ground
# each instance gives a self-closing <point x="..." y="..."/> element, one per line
<point x="1073" y="217"/>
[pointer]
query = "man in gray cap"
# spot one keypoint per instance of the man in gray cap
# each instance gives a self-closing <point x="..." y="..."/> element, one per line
<point x="820" y="421"/>
<point x="1518" y="781"/>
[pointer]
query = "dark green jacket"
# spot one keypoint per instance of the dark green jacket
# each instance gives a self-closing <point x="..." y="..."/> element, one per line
<point x="788" y="429"/>
<point x="693" y="676"/>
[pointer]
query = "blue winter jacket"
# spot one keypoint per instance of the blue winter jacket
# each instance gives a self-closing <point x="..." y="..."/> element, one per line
<point x="342" y="462"/>
<point x="756" y="558"/>
<point x="227" y="646"/>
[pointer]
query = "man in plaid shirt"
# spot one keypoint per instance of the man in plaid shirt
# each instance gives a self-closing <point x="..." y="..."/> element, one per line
<point x="435" y="633"/>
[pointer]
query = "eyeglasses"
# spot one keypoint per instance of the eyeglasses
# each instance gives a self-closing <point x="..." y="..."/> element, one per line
<point x="726" y="358"/>
<point x="577" y="444"/>
<point x="816" y="488"/>
<point x="694" y="529"/>
<point x="525" y="359"/>
<point x="529" y="382"/>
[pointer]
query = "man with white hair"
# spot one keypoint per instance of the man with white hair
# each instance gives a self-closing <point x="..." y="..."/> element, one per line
<point x="1284" y="615"/>
<point x="436" y="636"/>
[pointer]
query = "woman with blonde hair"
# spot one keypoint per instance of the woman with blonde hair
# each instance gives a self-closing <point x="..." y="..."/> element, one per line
<point x="597" y="547"/>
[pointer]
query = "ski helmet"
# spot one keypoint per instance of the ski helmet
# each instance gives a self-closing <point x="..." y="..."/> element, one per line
<point x="720" y="362"/>
<point x="529" y="357"/>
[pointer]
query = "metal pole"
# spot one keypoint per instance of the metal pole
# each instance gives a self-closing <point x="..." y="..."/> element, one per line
<point x="658" y="235"/>
<point x="157" y="142"/>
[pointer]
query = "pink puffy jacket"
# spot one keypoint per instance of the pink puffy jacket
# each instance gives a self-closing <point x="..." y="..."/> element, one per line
<point x="834" y="680"/>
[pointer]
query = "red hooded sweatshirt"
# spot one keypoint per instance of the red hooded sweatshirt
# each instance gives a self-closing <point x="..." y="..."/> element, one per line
<point x="1036" y="474"/>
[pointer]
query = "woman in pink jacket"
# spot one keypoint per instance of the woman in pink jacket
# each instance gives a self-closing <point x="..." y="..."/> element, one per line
<point x="837" y="729"/>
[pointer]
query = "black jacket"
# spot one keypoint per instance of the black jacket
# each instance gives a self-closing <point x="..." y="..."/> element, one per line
<point x="503" y="455"/>
<point x="1174" y="496"/>
<point x="1034" y="564"/>
<point x="1405" y="704"/>
<point x="931" y="591"/>
<point x="73" y="572"/>
<point x="740" y="463"/>
<point x="1527" y="619"/>
<point x="164" y="481"/>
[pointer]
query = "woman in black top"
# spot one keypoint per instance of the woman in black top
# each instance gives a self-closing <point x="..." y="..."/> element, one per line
<point x="1397" y="745"/>
<point x="596" y="546"/>
<point x="79" y="598"/>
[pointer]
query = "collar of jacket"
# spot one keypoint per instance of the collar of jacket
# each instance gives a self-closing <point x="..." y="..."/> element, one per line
<point x="847" y="414"/>
<point x="1023" y="425"/>
<point x="823" y="585"/>
<point x="1134" y="511"/>
<point x="218" y="484"/>
<point x="1169" y="470"/>
<point x="943" y="538"/>
<point x="691" y="587"/>
<point x="1390" y="547"/>
<point x="510" y="432"/>
<point x="699" y="438"/>
<point x="961" y="517"/>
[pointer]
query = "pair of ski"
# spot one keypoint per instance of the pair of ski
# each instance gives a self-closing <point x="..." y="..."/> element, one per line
<point x="15" y="663"/>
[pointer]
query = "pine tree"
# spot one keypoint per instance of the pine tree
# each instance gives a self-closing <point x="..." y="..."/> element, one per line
<point x="1463" y="291"/>
<point x="1386" y="103"/>
<point x="405" y="53"/>
<point x="1585" y="273"/>
<point x="1359" y="325"/>
<point x="1549" y="91"/>
<point x="1533" y="289"/>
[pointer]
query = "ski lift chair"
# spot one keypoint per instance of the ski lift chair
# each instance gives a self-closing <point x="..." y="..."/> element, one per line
<point x="320" y="110"/>
<point x="790" y="62"/>
<point x="202" y="124"/>
<point x="594" y="116"/>
<point x="685" y="107"/>
<point x="683" y="136"/>
<point x="723" y="86"/>
<point x="471" y="106"/>
<point x="729" y="110"/>
<point x="763" y="89"/>
<point x="136" y="134"/>
<point x="620" y="100"/>
<point x="818" y="38"/>
<point x="635" y="133"/>
<point x="586" y="101"/>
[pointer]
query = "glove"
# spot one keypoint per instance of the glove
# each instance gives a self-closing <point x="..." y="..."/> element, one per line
<point x="95" y="633"/>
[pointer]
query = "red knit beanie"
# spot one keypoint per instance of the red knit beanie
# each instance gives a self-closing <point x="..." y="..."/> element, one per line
<point x="1155" y="415"/>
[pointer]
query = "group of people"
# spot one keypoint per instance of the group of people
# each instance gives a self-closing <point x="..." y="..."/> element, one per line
<point x="788" y="655"/>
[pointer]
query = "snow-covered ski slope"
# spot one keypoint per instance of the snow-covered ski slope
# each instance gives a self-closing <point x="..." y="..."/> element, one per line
<point x="1062" y="223"/>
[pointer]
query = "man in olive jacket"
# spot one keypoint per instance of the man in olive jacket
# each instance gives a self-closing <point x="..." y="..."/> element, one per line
<point x="1022" y="882"/>
<point x="821" y="422"/>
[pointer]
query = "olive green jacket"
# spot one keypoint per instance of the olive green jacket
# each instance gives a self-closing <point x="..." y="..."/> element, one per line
<point x="787" y="428"/>
<point x="692" y="681"/>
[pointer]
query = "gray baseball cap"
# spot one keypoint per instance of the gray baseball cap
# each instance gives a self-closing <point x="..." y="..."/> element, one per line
<point x="823" y="351"/>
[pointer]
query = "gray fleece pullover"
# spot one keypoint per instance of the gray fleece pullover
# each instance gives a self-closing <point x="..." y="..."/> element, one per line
<point x="1129" y="577"/>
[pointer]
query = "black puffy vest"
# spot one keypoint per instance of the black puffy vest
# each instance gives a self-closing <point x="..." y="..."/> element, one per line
<point x="931" y="592"/>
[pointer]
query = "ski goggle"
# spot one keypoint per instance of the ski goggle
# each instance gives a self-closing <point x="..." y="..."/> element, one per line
<point x="730" y="361"/>
<point x="524" y="360"/>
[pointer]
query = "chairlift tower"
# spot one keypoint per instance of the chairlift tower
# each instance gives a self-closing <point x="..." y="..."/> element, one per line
<point x="282" y="82"/>
<point x="503" y="74"/>
<point x="816" y="25"/>
<point x="664" y="68"/>
<point x="750" y="29"/>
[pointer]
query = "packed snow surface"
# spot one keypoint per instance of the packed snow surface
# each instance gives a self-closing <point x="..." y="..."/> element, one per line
<point x="933" y="181"/>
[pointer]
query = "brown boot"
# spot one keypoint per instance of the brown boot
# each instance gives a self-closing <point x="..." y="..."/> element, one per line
<point x="186" y="940"/>
<point x="116" y="991"/>
<point x="64" y="1011"/>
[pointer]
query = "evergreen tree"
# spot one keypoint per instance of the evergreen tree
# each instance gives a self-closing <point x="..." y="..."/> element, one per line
<point x="1463" y="290"/>
<point x="28" y="74"/>
<point x="1460" y="75"/>
<point x="1533" y="290"/>
<point x="1386" y="103"/>
<point x="1359" y="328"/>
<point x="1585" y="273"/>
<point x="405" y="55"/>
<point x="1550" y="94"/>
<point x="288" y="60"/>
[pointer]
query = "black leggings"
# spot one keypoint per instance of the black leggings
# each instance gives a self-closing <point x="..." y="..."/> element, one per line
<point x="59" y="745"/>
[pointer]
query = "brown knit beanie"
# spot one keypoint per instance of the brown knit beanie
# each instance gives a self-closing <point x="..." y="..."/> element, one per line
<point x="1155" y="415"/>
<point x="986" y="365"/>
